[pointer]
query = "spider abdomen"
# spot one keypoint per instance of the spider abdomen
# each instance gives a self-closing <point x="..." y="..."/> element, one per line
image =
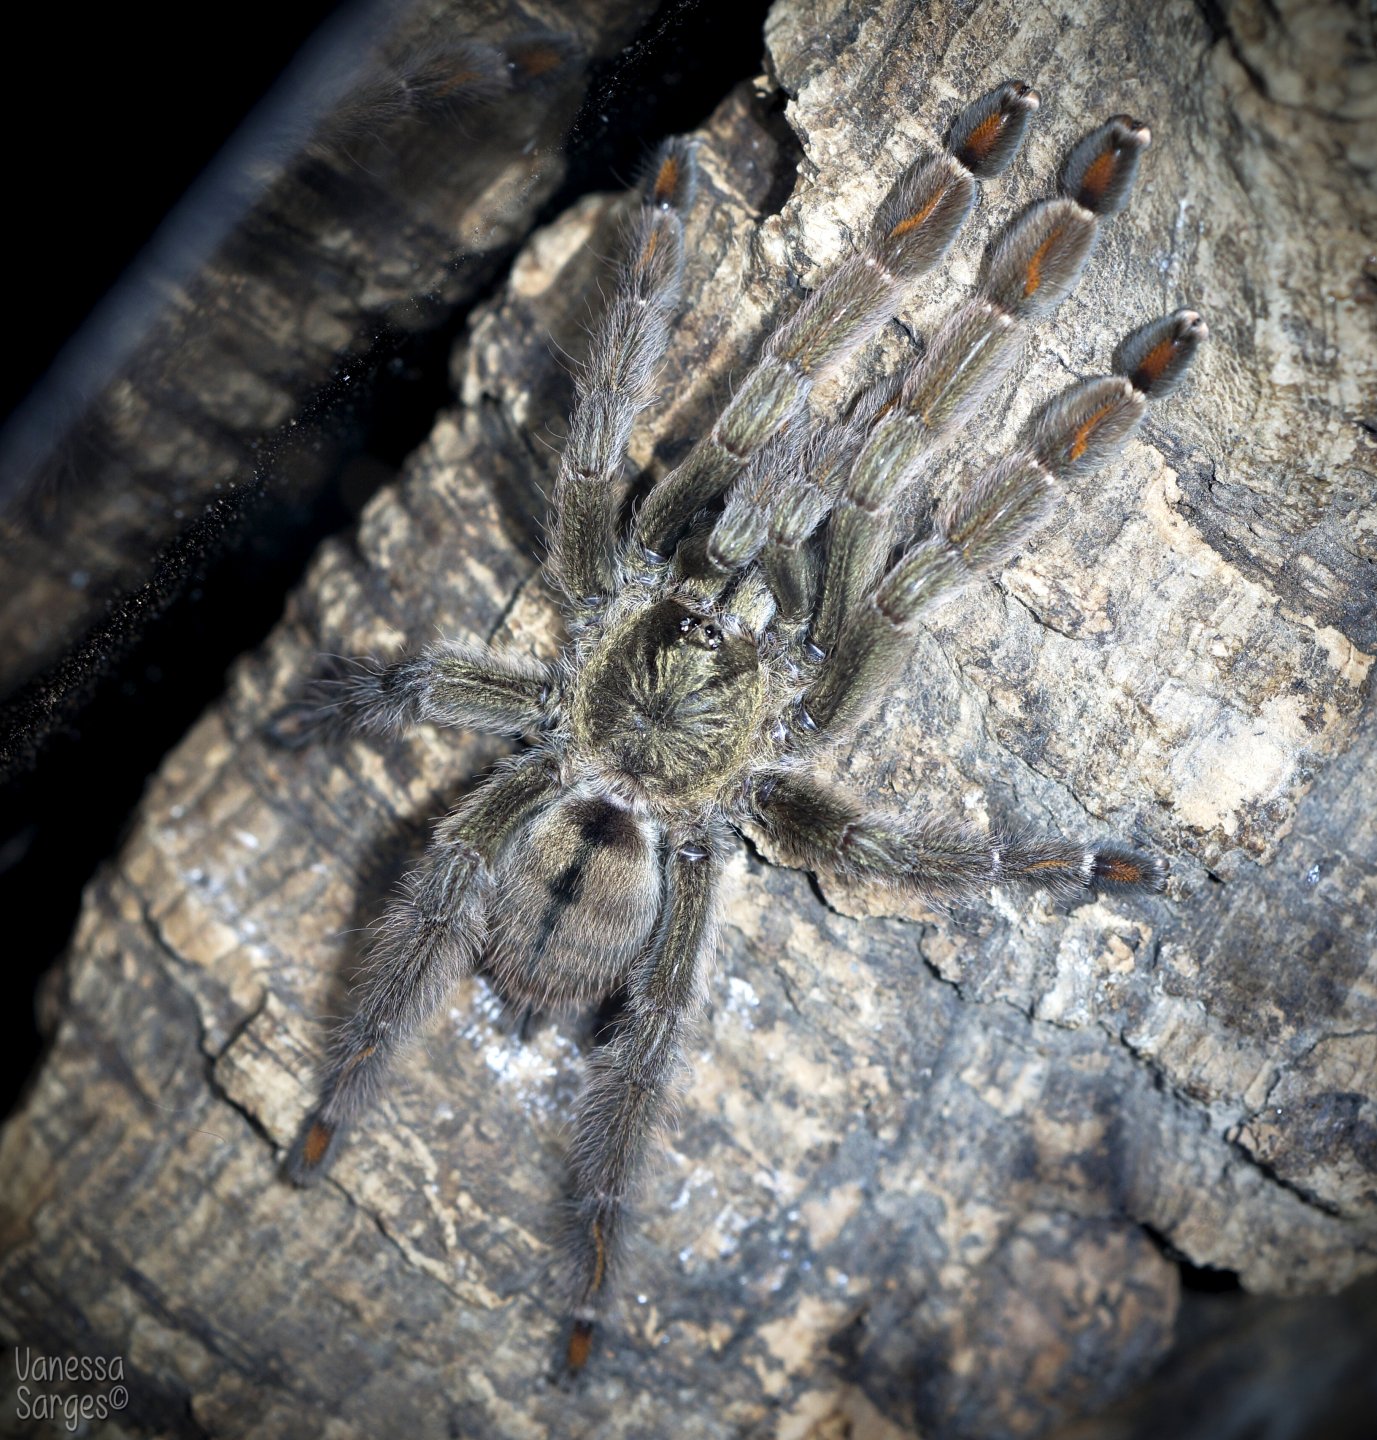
<point x="581" y="886"/>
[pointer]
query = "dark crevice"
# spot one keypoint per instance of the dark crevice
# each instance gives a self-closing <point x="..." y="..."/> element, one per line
<point x="1222" y="32"/>
<point x="177" y="961"/>
<point x="1269" y="1172"/>
<point x="395" y="1243"/>
<point x="217" y="1089"/>
<point x="1206" y="1280"/>
<point x="1198" y="1279"/>
<point x="784" y="174"/>
<point x="667" y="80"/>
<point x="130" y="91"/>
<point x="1212" y="12"/>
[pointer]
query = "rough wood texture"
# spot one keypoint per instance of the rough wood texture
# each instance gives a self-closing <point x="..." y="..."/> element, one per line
<point x="926" y="1167"/>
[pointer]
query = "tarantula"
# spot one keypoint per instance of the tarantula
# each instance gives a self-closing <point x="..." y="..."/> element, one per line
<point x="754" y="612"/>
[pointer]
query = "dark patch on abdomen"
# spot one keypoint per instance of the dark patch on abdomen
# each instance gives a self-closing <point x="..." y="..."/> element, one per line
<point x="564" y="890"/>
<point x="603" y="824"/>
<point x="599" y="825"/>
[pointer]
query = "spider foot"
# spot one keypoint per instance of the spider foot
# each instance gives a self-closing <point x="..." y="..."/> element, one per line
<point x="1155" y="359"/>
<point x="295" y="726"/>
<point x="329" y="705"/>
<point x="1130" y="870"/>
<point x="310" y="1158"/>
<point x="579" y="1348"/>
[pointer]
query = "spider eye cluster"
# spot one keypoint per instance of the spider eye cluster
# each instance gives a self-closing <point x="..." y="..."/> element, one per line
<point x="699" y="631"/>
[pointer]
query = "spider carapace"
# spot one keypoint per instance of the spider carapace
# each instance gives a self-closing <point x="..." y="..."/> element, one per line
<point x="751" y="612"/>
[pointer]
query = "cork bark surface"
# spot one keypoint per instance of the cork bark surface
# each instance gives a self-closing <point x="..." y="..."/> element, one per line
<point x="931" y="1172"/>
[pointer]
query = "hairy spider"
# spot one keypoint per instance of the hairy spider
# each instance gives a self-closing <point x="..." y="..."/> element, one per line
<point x="754" y="612"/>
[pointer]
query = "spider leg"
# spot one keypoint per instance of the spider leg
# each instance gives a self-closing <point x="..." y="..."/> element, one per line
<point x="468" y="686"/>
<point x="791" y="563"/>
<point x="983" y="525"/>
<point x="714" y="551"/>
<point x="912" y="231"/>
<point x="1028" y="273"/>
<point x="429" y="936"/>
<point x="823" y="829"/>
<point x="628" y="1092"/>
<point x="617" y="383"/>
<point x="772" y="510"/>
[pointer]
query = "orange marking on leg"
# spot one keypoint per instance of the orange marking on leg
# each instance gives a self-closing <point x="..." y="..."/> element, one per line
<point x="540" y="59"/>
<point x="600" y="1259"/>
<point x="1098" y="174"/>
<point x="1156" y="361"/>
<point x="580" y="1345"/>
<point x="1086" y="430"/>
<point x="357" y="1059"/>
<point x="1045" y="865"/>
<point x="1122" y="871"/>
<point x="888" y="405"/>
<point x="1033" y="274"/>
<point x="912" y="222"/>
<point x="666" y="181"/>
<point x="648" y="254"/>
<point x="318" y="1139"/>
<point x="456" y="80"/>
<point x="982" y="138"/>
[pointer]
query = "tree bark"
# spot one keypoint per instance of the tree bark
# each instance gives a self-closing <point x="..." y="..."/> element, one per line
<point x="931" y="1173"/>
